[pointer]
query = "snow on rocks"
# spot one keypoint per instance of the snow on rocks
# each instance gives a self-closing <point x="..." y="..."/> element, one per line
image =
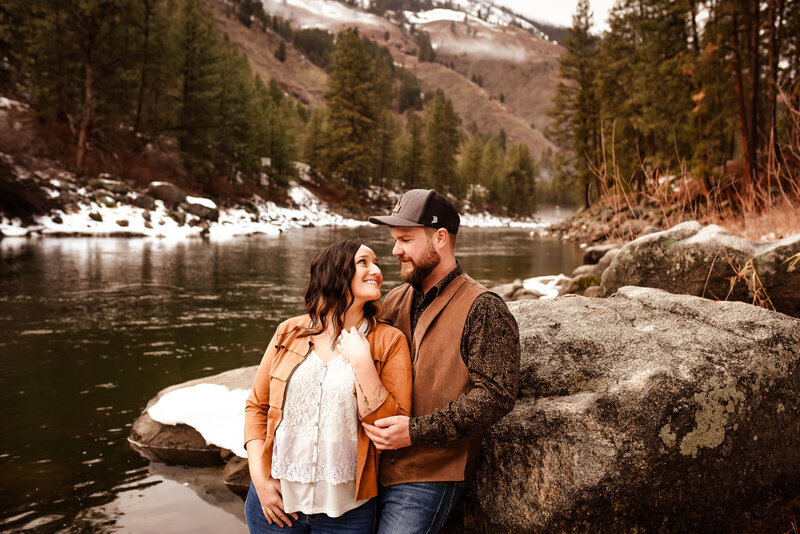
<point x="106" y="208"/>
<point x="537" y="288"/>
<point x="205" y="202"/>
<point x="485" y="220"/>
<point x="200" y="422"/>
<point x="214" y="410"/>
<point x="8" y="104"/>
<point x="109" y="207"/>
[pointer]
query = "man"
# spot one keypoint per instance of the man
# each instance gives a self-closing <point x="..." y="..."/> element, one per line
<point x="465" y="352"/>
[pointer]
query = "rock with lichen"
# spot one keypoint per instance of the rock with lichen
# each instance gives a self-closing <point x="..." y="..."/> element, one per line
<point x="645" y="412"/>
<point x="708" y="261"/>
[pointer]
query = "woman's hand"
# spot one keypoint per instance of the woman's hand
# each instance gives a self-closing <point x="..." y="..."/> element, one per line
<point x="269" y="494"/>
<point x="355" y="347"/>
<point x="369" y="389"/>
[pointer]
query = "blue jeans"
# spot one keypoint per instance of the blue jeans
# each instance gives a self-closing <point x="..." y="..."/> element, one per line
<point x="417" y="507"/>
<point x="359" y="520"/>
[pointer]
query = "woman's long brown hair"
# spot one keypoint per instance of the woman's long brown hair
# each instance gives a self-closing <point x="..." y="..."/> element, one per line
<point x="329" y="293"/>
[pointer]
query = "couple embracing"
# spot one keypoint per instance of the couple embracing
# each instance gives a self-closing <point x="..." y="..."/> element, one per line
<point x="367" y="417"/>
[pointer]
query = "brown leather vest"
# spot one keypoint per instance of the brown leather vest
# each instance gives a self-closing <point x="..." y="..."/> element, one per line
<point x="440" y="377"/>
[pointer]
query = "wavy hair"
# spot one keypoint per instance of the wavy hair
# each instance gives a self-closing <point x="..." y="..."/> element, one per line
<point x="329" y="294"/>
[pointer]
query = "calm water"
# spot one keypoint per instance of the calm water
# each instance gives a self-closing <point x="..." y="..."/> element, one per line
<point x="91" y="329"/>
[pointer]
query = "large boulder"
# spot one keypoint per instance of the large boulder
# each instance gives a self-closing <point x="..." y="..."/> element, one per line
<point x="593" y="254"/>
<point x="201" y="207"/>
<point x="170" y="194"/>
<point x="645" y="412"/>
<point x="708" y="261"/>
<point x="184" y="443"/>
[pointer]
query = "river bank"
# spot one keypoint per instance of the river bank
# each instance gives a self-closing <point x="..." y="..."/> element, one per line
<point x="54" y="202"/>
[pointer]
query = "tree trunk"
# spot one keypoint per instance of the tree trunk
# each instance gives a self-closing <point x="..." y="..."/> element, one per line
<point x="695" y="37"/>
<point x="87" y="115"/>
<point x="145" y="59"/>
<point x="775" y="24"/>
<point x="740" y="97"/>
<point x="755" y="77"/>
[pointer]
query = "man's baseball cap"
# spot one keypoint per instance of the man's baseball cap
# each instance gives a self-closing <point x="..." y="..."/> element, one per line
<point x="422" y="207"/>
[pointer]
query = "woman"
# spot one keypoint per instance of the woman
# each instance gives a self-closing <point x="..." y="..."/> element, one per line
<point x="311" y="464"/>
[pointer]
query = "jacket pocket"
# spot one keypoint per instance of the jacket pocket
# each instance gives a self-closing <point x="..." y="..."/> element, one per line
<point x="277" y="391"/>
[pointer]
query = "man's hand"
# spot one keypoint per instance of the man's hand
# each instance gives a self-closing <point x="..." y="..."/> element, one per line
<point x="389" y="433"/>
<point x="269" y="493"/>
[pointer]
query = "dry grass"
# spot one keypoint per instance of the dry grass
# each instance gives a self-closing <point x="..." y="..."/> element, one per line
<point x="793" y="529"/>
<point x="749" y="277"/>
<point x="766" y="210"/>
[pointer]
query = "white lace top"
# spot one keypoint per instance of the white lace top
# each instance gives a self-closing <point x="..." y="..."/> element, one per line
<point x="314" y="452"/>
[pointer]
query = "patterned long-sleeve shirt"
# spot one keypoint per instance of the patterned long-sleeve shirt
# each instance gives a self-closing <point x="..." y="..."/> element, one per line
<point x="490" y="349"/>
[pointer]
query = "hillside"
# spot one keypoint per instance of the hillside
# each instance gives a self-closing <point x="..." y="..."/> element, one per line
<point x="297" y="75"/>
<point x="519" y="64"/>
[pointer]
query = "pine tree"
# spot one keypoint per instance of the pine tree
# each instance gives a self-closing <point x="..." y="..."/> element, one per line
<point x="72" y="47"/>
<point x="575" y="110"/>
<point x="387" y="131"/>
<point x="201" y="70"/>
<point x="351" y="111"/>
<point x="470" y="162"/>
<point x="280" y="53"/>
<point x="469" y="170"/>
<point x="313" y="141"/>
<point x="425" y="51"/>
<point x="492" y="172"/>
<point x="441" y="144"/>
<point x="413" y="153"/>
<point x="519" y="172"/>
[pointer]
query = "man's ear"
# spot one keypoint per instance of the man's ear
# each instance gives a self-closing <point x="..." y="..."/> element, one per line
<point x="441" y="238"/>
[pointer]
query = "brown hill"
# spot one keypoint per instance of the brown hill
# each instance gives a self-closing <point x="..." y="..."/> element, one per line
<point x="510" y="61"/>
<point x="297" y="75"/>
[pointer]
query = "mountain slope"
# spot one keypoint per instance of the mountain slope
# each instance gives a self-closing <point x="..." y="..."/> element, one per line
<point x="519" y="64"/>
<point x="297" y="75"/>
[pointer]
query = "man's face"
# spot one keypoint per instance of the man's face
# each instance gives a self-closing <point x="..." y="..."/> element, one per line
<point x="413" y="247"/>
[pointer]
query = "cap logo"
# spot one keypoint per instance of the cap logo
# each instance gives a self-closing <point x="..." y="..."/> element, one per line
<point x="435" y="219"/>
<point x="397" y="206"/>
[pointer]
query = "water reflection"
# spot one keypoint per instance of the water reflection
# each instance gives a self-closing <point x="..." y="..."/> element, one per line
<point x="93" y="328"/>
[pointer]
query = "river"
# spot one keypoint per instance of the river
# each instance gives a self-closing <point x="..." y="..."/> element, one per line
<point x="92" y="328"/>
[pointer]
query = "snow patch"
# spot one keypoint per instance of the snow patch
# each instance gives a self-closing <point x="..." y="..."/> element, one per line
<point x="207" y="202"/>
<point x="439" y="14"/>
<point x="212" y="409"/>
<point x="547" y="286"/>
<point x="320" y="13"/>
<point x="7" y="103"/>
<point x="491" y="221"/>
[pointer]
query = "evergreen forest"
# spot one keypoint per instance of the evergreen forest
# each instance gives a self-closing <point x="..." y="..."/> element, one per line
<point x="708" y="91"/>
<point x="152" y="88"/>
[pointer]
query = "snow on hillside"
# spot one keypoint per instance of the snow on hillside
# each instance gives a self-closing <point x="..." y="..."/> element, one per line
<point x="434" y="15"/>
<point x="324" y="14"/>
<point x="327" y="14"/>
<point x="482" y="10"/>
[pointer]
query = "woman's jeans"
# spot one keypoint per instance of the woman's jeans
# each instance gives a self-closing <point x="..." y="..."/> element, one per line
<point x="417" y="507"/>
<point x="360" y="520"/>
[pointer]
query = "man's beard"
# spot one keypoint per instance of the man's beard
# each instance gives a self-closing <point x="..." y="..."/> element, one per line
<point x="420" y="268"/>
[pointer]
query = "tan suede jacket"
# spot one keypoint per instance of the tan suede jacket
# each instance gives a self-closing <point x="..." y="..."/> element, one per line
<point x="264" y="408"/>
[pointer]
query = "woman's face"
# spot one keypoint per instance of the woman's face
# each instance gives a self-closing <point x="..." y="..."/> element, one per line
<point x="367" y="282"/>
